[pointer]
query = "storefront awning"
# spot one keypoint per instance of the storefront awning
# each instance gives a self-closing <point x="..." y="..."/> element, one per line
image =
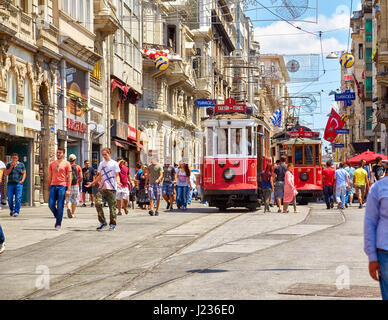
<point x="117" y="143"/>
<point x="129" y="93"/>
<point x="126" y="144"/>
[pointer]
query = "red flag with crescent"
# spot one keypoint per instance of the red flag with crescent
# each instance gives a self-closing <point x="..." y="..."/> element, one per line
<point x="332" y="125"/>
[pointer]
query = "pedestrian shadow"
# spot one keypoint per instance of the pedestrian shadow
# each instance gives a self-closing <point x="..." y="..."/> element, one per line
<point x="206" y="271"/>
<point x="81" y="230"/>
<point x="39" y="229"/>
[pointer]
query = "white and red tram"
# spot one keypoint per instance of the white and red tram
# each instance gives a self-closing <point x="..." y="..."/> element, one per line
<point x="235" y="149"/>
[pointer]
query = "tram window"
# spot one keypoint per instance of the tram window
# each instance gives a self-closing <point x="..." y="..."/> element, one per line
<point x="236" y="141"/>
<point x="249" y="141"/>
<point x="209" y="142"/>
<point x="298" y="154"/>
<point x="308" y="155"/>
<point x="222" y="141"/>
<point x="317" y="154"/>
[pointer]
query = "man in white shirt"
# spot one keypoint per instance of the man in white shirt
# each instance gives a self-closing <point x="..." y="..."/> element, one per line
<point x="108" y="179"/>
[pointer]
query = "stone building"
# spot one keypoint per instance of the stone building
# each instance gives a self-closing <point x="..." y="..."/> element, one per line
<point x="380" y="57"/>
<point x="168" y="117"/>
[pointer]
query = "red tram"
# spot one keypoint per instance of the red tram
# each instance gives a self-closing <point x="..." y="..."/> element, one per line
<point x="302" y="147"/>
<point x="236" y="147"/>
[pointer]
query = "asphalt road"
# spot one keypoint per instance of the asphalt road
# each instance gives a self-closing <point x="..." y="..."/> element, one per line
<point x="198" y="254"/>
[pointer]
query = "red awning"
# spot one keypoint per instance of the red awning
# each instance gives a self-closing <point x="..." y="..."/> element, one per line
<point x="118" y="144"/>
<point x="139" y="145"/>
<point x="126" y="89"/>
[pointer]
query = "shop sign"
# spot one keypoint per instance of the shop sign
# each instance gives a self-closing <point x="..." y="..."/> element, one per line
<point x="132" y="133"/>
<point x="342" y="131"/>
<point x="19" y="120"/>
<point x="119" y="130"/>
<point x="61" y="134"/>
<point x="77" y="126"/>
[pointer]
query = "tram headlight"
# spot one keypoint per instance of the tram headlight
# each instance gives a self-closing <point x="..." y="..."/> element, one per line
<point x="304" y="176"/>
<point x="228" y="174"/>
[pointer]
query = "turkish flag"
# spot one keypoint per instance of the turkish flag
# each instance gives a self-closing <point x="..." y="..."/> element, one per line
<point x="332" y="125"/>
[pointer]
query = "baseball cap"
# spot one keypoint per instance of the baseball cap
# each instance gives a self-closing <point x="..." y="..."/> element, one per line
<point x="72" y="157"/>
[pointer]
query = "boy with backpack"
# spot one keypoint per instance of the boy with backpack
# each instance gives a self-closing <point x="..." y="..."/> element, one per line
<point x="76" y="178"/>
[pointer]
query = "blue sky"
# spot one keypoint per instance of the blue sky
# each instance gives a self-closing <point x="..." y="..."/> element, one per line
<point x="281" y="38"/>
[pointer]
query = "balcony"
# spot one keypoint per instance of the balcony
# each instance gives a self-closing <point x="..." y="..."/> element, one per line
<point x="105" y="21"/>
<point x="14" y="22"/>
<point x="47" y="40"/>
<point x="17" y="120"/>
<point x="382" y="116"/>
<point x="203" y="87"/>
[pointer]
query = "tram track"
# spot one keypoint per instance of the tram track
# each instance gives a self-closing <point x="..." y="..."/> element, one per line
<point x="145" y="271"/>
<point x="109" y="255"/>
<point x="212" y="266"/>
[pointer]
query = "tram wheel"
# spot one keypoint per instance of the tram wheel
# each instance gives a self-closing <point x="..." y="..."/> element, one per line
<point x="222" y="209"/>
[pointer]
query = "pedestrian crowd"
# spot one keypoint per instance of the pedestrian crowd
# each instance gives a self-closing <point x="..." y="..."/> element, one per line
<point x="278" y="185"/>
<point x="111" y="185"/>
<point x="349" y="182"/>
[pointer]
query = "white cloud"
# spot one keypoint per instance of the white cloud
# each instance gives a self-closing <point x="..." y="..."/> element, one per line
<point x="292" y="41"/>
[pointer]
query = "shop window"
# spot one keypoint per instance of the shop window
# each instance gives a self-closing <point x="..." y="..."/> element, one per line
<point x="27" y="102"/>
<point x="11" y="88"/>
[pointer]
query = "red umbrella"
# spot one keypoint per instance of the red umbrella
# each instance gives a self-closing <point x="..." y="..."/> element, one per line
<point x="368" y="156"/>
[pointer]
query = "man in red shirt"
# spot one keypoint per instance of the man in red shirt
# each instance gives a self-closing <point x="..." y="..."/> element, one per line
<point x="58" y="186"/>
<point x="328" y="184"/>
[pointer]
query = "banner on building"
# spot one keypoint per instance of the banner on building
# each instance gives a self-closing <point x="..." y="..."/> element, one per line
<point x="76" y="91"/>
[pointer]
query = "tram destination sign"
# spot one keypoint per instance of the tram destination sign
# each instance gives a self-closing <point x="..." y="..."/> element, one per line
<point x="345" y="96"/>
<point x="205" y="102"/>
<point x="305" y="134"/>
<point x="229" y="108"/>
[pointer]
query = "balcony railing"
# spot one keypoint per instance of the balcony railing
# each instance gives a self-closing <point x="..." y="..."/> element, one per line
<point x="16" y="22"/>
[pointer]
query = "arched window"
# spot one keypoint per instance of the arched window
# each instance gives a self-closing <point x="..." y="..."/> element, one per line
<point x="27" y="92"/>
<point x="11" y="88"/>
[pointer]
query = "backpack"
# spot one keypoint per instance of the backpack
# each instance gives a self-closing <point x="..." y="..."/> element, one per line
<point x="74" y="175"/>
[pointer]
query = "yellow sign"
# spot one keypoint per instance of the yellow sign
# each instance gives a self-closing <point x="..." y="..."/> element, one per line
<point x="374" y="50"/>
<point x="19" y="120"/>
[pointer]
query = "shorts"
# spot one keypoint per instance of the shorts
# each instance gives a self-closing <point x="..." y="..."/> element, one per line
<point x="122" y="193"/>
<point x="360" y="190"/>
<point x="350" y="192"/>
<point x="155" y="191"/>
<point x="168" y="188"/>
<point x="74" y="195"/>
<point x="279" y="189"/>
<point x="87" y="190"/>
